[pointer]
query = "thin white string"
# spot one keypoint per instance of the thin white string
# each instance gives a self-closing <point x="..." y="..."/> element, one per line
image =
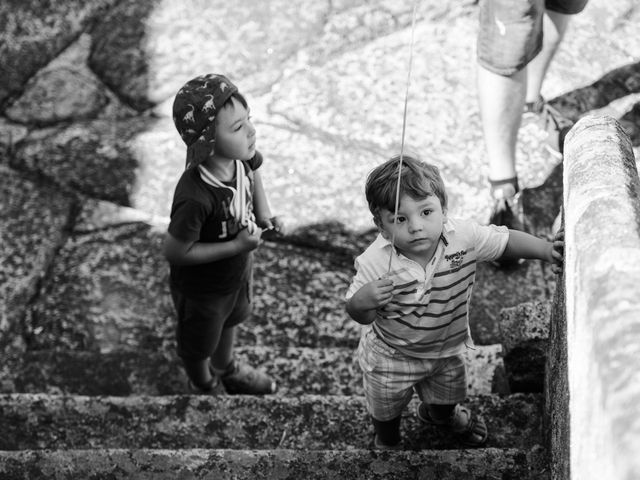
<point x="404" y="127"/>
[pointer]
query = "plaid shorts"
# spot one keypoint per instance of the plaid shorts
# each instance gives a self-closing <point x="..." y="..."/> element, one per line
<point x="510" y="33"/>
<point x="390" y="378"/>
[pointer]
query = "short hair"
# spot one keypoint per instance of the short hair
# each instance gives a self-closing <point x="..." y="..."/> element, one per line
<point x="418" y="179"/>
<point x="229" y="101"/>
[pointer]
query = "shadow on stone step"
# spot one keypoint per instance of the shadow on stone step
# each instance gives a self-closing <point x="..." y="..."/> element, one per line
<point x="616" y="84"/>
<point x="525" y="366"/>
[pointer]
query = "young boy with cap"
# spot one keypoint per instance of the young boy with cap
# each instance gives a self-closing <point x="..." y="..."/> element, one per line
<point x="412" y="290"/>
<point x="218" y="214"/>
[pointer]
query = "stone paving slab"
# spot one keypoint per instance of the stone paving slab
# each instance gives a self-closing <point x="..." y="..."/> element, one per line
<point x="108" y="288"/>
<point x="318" y="146"/>
<point x="282" y="464"/>
<point x="34" y="33"/>
<point x="307" y="422"/>
<point x="298" y="371"/>
<point x="33" y="220"/>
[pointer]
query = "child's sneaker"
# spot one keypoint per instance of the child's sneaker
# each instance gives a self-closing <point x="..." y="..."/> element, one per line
<point x="470" y="428"/>
<point x="551" y="121"/>
<point x="244" y="379"/>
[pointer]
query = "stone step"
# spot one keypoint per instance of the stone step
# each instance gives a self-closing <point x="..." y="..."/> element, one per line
<point x="311" y="422"/>
<point x="356" y="464"/>
<point x="322" y="371"/>
<point x="108" y="289"/>
<point x="524" y="330"/>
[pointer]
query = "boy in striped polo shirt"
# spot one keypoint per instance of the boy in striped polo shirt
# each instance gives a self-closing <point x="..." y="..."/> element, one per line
<point x="412" y="287"/>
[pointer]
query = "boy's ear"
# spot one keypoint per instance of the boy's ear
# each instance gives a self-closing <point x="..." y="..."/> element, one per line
<point x="378" y="224"/>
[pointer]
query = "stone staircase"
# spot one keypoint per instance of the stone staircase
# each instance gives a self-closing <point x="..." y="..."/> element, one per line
<point x="89" y="383"/>
<point x="97" y="392"/>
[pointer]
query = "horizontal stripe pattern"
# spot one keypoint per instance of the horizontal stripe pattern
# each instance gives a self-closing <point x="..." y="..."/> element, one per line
<point x="428" y="314"/>
<point x="435" y="321"/>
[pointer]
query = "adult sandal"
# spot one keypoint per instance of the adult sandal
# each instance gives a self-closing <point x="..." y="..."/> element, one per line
<point x="468" y="427"/>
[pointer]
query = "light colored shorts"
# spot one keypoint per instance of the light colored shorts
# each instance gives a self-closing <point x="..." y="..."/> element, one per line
<point x="510" y="31"/>
<point x="390" y="378"/>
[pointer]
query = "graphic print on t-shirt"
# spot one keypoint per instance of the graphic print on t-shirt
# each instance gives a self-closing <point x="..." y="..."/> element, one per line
<point x="231" y="222"/>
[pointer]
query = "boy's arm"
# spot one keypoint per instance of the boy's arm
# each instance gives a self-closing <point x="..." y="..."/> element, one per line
<point x="264" y="219"/>
<point x="524" y="245"/>
<point x="363" y="304"/>
<point x="179" y="252"/>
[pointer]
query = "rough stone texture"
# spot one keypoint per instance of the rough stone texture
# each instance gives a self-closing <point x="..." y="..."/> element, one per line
<point x="556" y="390"/>
<point x="63" y="91"/>
<point x="99" y="297"/>
<point x="496" y="289"/>
<point x="35" y="421"/>
<point x="34" y="33"/>
<point x="86" y="101"/>
<point x="108" y="288"/>
<point x="524" y="331"/>
<point x="95" y="158"/>
<point x="33" y="220"/>
<point x="281" y="464"/>
<point x="10" y="134"/>
<point x="328" y="371"/>
<point x="602" y="224"/>
<point x="527" y="321"/>
<point x="616" y="84"/>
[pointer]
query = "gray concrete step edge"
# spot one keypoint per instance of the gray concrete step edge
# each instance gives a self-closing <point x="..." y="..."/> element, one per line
<point x="39" y="421"/>
<point x="357" y="464"/>
<point x="298" y="371"/>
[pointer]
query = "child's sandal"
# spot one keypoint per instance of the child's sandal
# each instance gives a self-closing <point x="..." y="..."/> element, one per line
<point x="468" y="427"/>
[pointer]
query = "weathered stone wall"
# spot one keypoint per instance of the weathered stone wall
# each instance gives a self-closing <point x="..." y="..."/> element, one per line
<point x="602" y="274"/>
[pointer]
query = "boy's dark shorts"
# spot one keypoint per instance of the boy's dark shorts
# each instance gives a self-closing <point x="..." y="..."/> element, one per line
<point x="510" y="31"/>
<point x="202" y="317"/>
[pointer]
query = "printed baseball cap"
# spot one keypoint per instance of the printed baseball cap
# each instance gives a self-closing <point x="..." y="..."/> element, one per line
<point x="197" y="103"/>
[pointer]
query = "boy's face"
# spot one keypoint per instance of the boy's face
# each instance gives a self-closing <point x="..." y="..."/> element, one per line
<point x="235" y="134"/>
<point x="417" y="228"/>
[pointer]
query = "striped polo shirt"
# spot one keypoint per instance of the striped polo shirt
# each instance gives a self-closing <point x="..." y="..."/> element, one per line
<point x="428" y="316"/>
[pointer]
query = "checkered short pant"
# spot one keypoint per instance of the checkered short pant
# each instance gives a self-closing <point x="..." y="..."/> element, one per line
<point x="390" y="378"/>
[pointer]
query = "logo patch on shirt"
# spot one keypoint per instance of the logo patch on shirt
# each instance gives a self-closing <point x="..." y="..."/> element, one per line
<point x="456" y="258"/>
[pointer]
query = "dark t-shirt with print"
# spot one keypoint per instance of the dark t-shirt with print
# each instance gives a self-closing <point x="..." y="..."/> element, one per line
<point x="201" y="213"/>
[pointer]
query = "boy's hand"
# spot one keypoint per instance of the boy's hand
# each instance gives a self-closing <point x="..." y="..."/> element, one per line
<point x="557" y="253"/>
<point x="249" y="238"/>
<point x="375" y="294"/>
<point x="273" y="225"/>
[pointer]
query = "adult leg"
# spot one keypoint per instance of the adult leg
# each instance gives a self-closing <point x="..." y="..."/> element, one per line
<point x="501" y="99"/>
<point x="510" y="36"/>
<point x="554" y="27"/>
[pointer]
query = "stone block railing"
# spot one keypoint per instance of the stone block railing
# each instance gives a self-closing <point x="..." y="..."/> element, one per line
<point x="593" y="381"/>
